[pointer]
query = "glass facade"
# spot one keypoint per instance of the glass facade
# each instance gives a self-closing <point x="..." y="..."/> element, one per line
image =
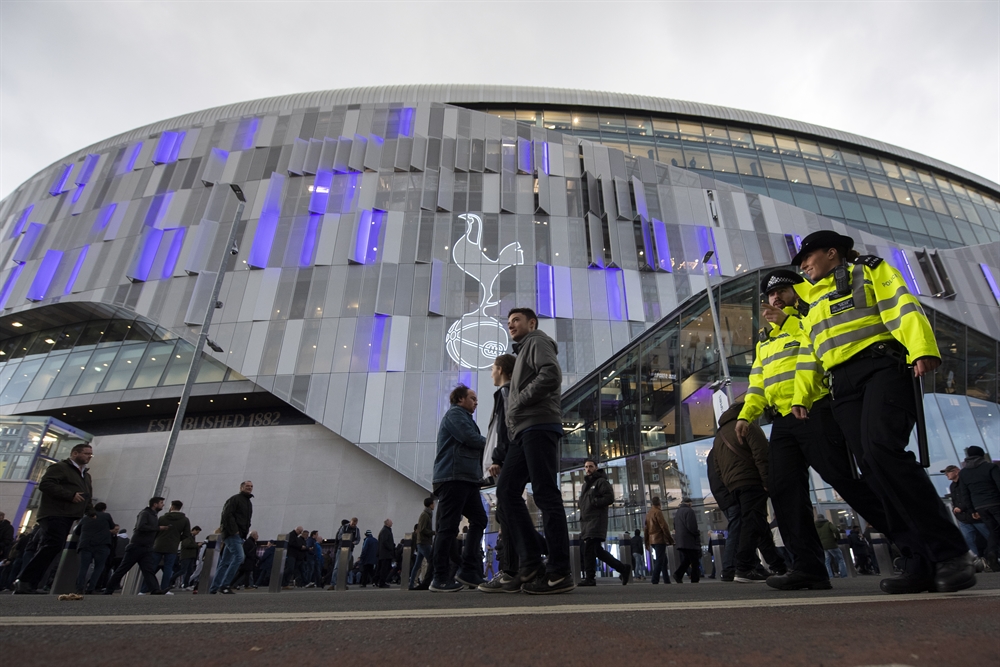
<point x="647" y="416"/>
<point x="881" y="194"/>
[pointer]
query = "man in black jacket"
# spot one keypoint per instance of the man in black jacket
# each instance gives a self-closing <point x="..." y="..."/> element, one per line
<point x="595" y="499"/>
<point x="140" y="550"/>
<point x="168" y="541"/>
<point x="66" y="491"/>
<point x="980" y="489"/>
<point x="6" y="536"/>
<point x="235" y="522"/>
<point x="97" y="532"/>
<point x="386" y="552"/>
<point x="688" y="538"/>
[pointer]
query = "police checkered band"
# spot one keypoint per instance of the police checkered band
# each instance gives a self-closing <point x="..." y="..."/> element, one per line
<point x="778" y="281"/>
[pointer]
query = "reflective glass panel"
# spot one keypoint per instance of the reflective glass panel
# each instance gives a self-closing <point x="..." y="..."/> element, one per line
<point x="124" y="367"/>
<point x="153" y="362"/>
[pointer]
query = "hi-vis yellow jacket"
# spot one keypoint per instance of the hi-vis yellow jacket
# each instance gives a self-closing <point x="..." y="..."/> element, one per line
<point x="785" y="373"/>
<point x="878" y="308"/>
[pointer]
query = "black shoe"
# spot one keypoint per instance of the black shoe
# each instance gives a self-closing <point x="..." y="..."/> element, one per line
<point x="794" y="580"/>
<point x="908" y="583"/>
<point x="24" y="588"/>
<point x="626" y="577"/>
<point x="158" y="591"/>
<point x="680" y="579"/>
<point x="587" y="582"/>
<point x="752" y="577"/>
<point x="384" y="586"/>
<point x="728" y="575"/>
<point x="226" y="590"/>
<point x="956" y="574"/>
<point x="550" y="584"/>
<point x="470" y="579"/>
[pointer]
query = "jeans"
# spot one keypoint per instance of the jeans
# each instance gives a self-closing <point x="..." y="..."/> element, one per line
<point x="232" y="558"/>
<point x="98" y="556"/>
<point x="836" y="555"/>
<point x="593" y="551"/>
<point x="660" y="564"/>
<point x="455" y="500"/>
<point x="969" y="531"/>
<point x="55" y="529"/>
<point x="142" y="556"/>
<point x="185" y="569"/>
<point x="534" y="456"/>
<point x="424" y="552"/>
<point x="732" y="539"/>
<point x="166" y="565"/>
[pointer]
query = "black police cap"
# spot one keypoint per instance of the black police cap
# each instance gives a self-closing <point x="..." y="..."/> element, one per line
<point x="779" y="278"/>
<point x="823" y="239"/>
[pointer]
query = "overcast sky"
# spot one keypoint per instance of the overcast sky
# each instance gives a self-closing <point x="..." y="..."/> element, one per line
<point x="921" y="75"/>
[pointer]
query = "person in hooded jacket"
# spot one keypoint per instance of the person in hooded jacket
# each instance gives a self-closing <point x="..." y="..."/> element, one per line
<point x="168" y="542"/>
<point x="368" y="559"/>
<point x="980" y="488"/>
<point x="595" y="499"/>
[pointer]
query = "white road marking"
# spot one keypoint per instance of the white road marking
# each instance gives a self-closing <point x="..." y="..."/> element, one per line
<point x="403" y="614"/>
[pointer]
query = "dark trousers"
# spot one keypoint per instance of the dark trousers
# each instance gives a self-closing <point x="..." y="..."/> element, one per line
<point x="455" y="500"/>
<point x="55" y="529"/>
<point x="875" y="407"/>
<point x="795" y="445"/>
<point x="146" y="559"/>
<point x="661" y="565"/>
<point x="689" y="565"/>
<point x="98" y="556"/>
<point x="295" y="572"/>
<point x="185" y="569"/>
<point x="733" y="531"/>
<point x="368" y="574"/>
<point x="594" y="551"/>
<point x="384" y="569"/>
<point x="991" y="517"/>
<point x="534" y="457"/>
<point x="754" y="533"/>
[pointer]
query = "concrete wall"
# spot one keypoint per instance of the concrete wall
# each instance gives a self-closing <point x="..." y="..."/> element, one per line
<point x="302" y="475"/>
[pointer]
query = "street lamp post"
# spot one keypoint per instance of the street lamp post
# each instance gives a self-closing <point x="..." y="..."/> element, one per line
<point x="195" y="365"/>
<point x="726" y="379"/>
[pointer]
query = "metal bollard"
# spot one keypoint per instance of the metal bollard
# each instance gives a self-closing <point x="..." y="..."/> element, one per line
<point x="845" y="548"/>
<point x="883" y="554"/>
<point x="404" y="565"/>
<point x="278" y="564"/>
<point x="343" y="562"/>
<point x="207" y="565"/>
<point x="69" y="567"/>
<point x="574" y="555"/>
<point x="132" y="581"/>
<point x="625" y="554"/>
<point x="718" y="549"/>
<point x="706" y="563"/>
<point x="673" y="556"/>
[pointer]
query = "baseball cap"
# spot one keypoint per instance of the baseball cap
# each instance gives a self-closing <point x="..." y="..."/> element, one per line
<point x="950" y="468"/>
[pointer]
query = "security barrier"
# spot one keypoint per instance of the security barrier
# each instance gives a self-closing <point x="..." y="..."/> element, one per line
<point x="404" y="564"/>
<point x="883" y="553"/>
<point x="343" y="562"/>
<point x="208" y="565"/>
<point x="574" y="556"/>
<point x="278" y="564"/>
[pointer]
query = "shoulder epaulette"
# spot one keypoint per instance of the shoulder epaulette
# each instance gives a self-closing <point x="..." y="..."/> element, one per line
<point x="871" y="261"/>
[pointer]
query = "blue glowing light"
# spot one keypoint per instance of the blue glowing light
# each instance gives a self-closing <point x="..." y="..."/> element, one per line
<point x="662" y="246"/>
<point x="130" y="163"/>
<point x="706" y="242"/>
<point x="270" y="212"/>
<point x="614" y="279"/>
<point x="43" y="276"/>
<point x="401" y="122"/>
<point x="902" y="264"/>
<point x="28" y="241"/>
<point x="76" y="269"/>
<point x="8" y="285"/>
<point x="104" y="217"/>
<point x="366" y="236"/>
<point x="320" y="191"/>
<point x="173" y="252"/>
<point x="149" y="244"/>
<point x="545" y="157"/>
<point x="77" y="194"/>
<point x="545" y="286"/>
<point x="87" y="169"/>
<point x="158" y="208"/>
<point x="378" y="339"/>
<point x="59" y="184"/>
<point x="246" y="132"/>
<point x="19" y="225"/>
<point x="308" y="252"/>
<point x="166" y="147"/>
<point x="990" y="280"/>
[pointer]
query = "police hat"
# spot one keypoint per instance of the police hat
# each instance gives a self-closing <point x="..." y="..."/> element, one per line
<point x="779" y="278"/>
<point x="821" y="240"/>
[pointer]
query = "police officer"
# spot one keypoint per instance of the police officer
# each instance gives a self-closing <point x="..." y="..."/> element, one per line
<point x="865" y="327"/>
<point x="786" y="376"/>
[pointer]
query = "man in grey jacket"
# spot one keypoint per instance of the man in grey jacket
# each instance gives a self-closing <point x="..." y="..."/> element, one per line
<point x="534" y="423"/>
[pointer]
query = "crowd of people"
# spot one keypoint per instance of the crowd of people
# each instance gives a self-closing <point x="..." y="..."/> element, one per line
<point x="836" y="369"/>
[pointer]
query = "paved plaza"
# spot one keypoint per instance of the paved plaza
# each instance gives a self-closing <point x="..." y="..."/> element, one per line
<point x="710" y="623"/>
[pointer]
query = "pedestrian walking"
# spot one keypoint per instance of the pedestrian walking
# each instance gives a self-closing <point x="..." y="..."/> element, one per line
<point x="596" y="497"/>
<point x="534" y="422"/>
<point x="96" y="535"/>
<point x="657" y="540"/>
<point x="424" y="538"/>
<point x="980" y="489"/>
<point x="140" y="550"/>
<point x="235" y="523"/>
<point x="66" y="490"/>
<point x="458" y="470"/>
<point x="386" y="552"/>
<point x="871" y="335"/>
<point x="829" y="538"/>
<point x="295" y="559"/>
<point x="189" y="556"/>
<point x="688" y="543"/>
<point x="168" y="542"/>
<point x="369" y="559"/>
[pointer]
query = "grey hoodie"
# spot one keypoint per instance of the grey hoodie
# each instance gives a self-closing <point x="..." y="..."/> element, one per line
<point x="535" y="384"/>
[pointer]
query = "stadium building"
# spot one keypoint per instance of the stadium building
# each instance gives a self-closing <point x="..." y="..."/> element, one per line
<point x="385" y="234"/>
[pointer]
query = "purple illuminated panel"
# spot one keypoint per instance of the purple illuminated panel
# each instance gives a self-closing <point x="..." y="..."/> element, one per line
<point x="991" y="281"/>
<point x="87" y="170"/>
<point x="28" y="241"/>
<point x="263" y="238"/>
<point x="308" y="253"/>
<point x="129" y="163"/>
<point x="8" y="285"/>
<point x="662" y="246"/>
<point x="173" y="252"/>
<point x="158" y="208"/>
<point x="59" y="184"/>
<point x="167" y="147"/>
<point x="615" y="281"/>
<point x="75" y="273"/>
<point x="145" y="253"/>
<point x="104" y="217"/>
<point x="43" y="276"/>
<point x="320" y="192"/>
<point x="902" y="264"/>
<point x="19" y="225"/>
<point x="77" y="194"/>
<point x="524" y="155"/>
<point x="379" y="341"/>
<point x="706" y="242"/>
<point x="545" y="285"/>
<point x="545" y="157"/>
<point x="245" y="134"/>
<point x="366" y="236"/>
<point x="400" y="123"/>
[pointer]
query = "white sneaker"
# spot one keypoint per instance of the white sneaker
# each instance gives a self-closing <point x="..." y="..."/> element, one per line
<point x="168" y="593"/>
